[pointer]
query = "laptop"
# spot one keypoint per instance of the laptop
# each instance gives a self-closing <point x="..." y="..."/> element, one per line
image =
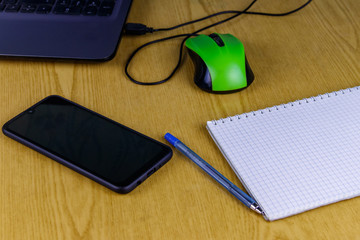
<point x="62" y="29"/>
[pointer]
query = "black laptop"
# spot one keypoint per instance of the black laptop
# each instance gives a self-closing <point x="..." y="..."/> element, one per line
<point x="65" y="29"/>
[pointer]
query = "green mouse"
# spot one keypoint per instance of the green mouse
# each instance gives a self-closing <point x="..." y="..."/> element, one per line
<point x="220" y="63"/>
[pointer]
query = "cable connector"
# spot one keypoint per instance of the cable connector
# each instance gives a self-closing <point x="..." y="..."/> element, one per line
<point x="137" y="29"/>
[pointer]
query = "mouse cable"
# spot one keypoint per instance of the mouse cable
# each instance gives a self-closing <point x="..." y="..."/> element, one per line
<point x="140" y="29"/>
<point x="181" y="48"/>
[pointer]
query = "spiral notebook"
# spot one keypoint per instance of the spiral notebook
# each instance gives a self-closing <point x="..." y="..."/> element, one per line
<point x="297" y="156"/>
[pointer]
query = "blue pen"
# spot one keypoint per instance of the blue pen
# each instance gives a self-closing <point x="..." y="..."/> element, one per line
<point x="234" y="190"/>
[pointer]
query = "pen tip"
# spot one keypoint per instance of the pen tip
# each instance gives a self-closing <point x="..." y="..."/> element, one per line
<point x="259" y="211"/>
<point x="256" y="208"/>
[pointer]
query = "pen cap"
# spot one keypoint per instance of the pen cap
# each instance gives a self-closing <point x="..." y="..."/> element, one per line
<point x="171" y="139"/>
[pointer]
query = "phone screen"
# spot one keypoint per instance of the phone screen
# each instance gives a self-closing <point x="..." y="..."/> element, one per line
<point x="88" y="140"/>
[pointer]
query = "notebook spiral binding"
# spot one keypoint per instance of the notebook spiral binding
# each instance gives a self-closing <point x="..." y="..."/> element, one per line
<point x="285" y="105"/>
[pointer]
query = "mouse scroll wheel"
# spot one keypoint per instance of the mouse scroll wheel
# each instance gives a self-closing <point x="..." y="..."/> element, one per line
<point x="217" y="39"/>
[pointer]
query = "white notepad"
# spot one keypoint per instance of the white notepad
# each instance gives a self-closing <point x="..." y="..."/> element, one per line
<point x="297" y="156"/>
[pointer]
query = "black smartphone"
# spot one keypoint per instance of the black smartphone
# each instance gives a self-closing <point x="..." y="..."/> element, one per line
<point x="97" y="147"/>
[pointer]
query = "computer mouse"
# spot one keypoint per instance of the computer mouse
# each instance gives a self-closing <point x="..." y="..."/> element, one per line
<point x="220" y="63"/>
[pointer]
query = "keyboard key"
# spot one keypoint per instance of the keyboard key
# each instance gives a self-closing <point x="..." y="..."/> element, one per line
<point x="28" y="8"/>
<point x="75" y="10"/>
<point x="38" y="2"/>
<point x="12" y="8"/>
<point x="9" y="1"/>
<point x="77" y="3"/>
<point x="67" y="10"/>
<point x="63" y="3"/>
<point x="106" y="8"/>
<point x="59" y="9"/>
<point x="93" y="3"/>
<point x="44" y="9"/>
<point x="109" y="3"/>
<point x="104" y="11"/>
<point x="89" y="11"/>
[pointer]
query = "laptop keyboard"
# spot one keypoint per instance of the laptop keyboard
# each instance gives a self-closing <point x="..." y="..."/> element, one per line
<point x="64" y="7"/>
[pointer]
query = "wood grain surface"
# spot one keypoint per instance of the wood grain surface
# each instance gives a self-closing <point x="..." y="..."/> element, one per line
<point x="314" y="51"/>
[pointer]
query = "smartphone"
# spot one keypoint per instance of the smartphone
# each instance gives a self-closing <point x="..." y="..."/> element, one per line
<point x="95" y="146"/>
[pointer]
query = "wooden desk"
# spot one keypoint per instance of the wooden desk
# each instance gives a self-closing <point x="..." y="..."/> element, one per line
<point x="305" y="54"/>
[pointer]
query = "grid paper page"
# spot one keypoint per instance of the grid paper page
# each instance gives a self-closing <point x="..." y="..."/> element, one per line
<point x="297" y="156"/>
